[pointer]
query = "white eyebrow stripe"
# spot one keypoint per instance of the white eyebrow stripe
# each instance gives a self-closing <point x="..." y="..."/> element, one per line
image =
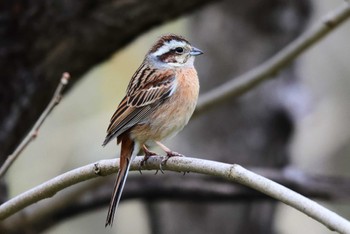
<point x="168" y="46"/>
<point x="161" y="50"/>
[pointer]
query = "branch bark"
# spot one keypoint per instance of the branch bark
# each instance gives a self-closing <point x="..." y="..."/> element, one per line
<point x="96" y="194"/>
<point x="234" y="173"/>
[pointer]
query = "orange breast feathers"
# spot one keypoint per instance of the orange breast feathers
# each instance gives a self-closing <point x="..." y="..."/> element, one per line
<point x="170" y="118"/>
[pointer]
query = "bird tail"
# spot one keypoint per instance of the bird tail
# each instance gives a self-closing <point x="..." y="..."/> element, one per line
<point x="126" y="156"/>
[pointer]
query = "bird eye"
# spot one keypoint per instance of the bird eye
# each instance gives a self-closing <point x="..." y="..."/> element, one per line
<point x="179" y="50"/>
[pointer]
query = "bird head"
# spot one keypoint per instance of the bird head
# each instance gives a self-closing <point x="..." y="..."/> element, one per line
<point x="174" y="51"/>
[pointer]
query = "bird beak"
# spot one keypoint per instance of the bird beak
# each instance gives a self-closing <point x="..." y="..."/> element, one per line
<point x="195" y="52"/>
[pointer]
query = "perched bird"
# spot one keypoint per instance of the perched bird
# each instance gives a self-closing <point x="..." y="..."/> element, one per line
<point x="159" y="101"/>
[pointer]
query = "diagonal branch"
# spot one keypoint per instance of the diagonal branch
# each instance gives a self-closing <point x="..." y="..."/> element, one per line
<point x="56" y="98"/>
<point x="268" y="69"/>
<point x="229" y="172"/>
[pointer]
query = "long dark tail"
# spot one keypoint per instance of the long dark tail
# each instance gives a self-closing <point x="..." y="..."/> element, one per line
<point x="126" y="155"/>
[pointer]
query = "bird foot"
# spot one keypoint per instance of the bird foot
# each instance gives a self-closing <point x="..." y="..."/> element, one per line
<point x="148" y="154"/>
<point x="169" y="154"/>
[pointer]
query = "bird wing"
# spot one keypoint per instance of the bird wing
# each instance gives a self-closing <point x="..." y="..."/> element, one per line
<point x="143" y="96"/>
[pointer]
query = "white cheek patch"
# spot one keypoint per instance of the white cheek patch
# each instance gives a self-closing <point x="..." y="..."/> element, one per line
<point x="189" y="63"/>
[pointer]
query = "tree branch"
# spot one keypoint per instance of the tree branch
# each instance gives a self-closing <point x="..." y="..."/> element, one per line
<point x="268" y="69"/>
<point x="201" y="187"/>
<point x="234" y="173"/>
<point x="56" y="98"/>
<point x="97" y="193"/>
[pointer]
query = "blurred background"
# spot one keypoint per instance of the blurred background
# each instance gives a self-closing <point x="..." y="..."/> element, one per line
<point x="298" y="119"/>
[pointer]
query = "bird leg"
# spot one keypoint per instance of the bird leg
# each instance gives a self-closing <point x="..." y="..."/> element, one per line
<point x="148" y="154"/>
<point x="169" y="154"/>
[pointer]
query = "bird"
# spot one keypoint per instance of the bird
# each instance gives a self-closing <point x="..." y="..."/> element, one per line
<point x="160" y="99"/>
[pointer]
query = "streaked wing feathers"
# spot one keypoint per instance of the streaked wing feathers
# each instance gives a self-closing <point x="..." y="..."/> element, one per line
<point x="153" y="92"/>
<point x="140" y="101"/>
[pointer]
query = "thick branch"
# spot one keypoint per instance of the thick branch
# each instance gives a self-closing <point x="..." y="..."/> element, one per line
<point x="201" y="188"/>
<point x="234" y="173"/>
<point x="193" y="188"/>
<point x="268" y="69"/>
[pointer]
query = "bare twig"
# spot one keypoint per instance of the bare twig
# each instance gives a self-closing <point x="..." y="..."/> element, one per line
<point x="35" y="130"/>
<point x="234" y="173"/>
<point x="268" y="69"/>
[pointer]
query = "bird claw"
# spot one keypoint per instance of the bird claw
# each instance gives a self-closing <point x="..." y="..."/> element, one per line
<point x="169" y="155"/>
<point x="160" y="169"/>
<point x="148" y="154"/>
<point x="142" y="163"/>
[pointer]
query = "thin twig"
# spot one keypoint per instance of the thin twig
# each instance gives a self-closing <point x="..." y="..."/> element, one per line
<point x="35" y="130"/>
<point x="268" y="69"/>
<point x="234" y="173"/>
